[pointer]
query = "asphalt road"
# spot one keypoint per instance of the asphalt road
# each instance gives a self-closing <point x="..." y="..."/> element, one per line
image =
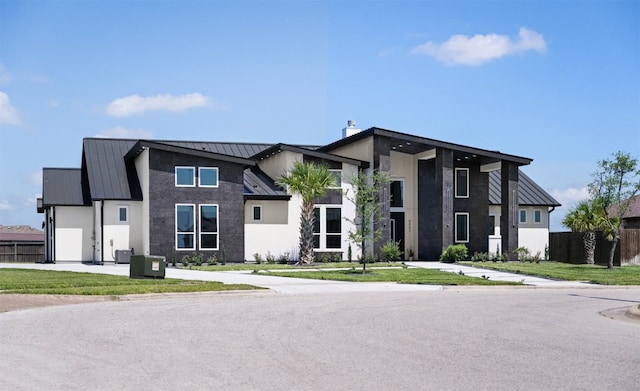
<point x="453" y="339"/>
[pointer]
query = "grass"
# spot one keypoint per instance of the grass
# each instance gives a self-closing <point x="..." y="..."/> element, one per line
<point x="403" y="275"/>
<point x="271" y="266"/>
<point x="626" y="275"/>
<point x="72" y="283"/>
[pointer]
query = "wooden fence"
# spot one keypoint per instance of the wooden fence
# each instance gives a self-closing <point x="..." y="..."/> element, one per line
<point x="22" y="252"/>
<point x="569" y="247"/>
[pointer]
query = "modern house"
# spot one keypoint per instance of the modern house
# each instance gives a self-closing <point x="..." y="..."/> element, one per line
<point x="176" y="198"/>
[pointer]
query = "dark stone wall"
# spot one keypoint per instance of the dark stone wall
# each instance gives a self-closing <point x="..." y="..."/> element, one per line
<point x="477" y="205"/>
<point x="509" y="209"/>
<point x="429" y="212"/>
<point x="164" y="195"/>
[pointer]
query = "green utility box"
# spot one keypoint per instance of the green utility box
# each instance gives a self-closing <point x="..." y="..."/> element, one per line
<point x="146" y="266"/>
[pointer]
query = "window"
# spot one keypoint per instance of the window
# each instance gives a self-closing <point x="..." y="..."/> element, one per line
<point x="257" y="213"/>
<point x="537" y="216"/>
<point x="492" y="225"/>
<point x="327" y="228"/>
<point x="123" y="214"/>
<point x="185" y="227"/>
<point x="523" y="216"/>
<point x="333" y="227"/>
<point x="462" y="227"/>
<point x="208" y="176"/>
<point x="208" y="227"/>
<point x="338" y="179"/>
<point x="397" y="194"/>
<point x="462" y="183"/>
<point x="185" y="176"/>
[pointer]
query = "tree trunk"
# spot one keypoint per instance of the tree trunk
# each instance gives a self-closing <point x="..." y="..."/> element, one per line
<point x="306" y="233"/>
<point x="589" y="239"/>
<point x="612" y="252"/>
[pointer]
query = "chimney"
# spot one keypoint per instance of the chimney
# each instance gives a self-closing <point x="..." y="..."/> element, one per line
<point x="351" y="129"/>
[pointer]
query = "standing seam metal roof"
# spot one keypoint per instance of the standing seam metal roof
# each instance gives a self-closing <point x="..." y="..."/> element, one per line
<point x="529" y="193"/>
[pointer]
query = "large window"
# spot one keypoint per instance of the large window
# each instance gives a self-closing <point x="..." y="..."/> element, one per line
<point x="397" y="194"/>
<point x="462" y="183"/>
<point x="337" y="174"/>
<point x="185" y="176"/>
<point x="208" y="227"/>
<point x="185" y="226"/>
<point x="327" y="228"/>
<point x="208" y="176"/>
<point x="462" y="227"/>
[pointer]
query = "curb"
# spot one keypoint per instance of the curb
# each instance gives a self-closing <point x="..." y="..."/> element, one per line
<point x="633" y="312"/>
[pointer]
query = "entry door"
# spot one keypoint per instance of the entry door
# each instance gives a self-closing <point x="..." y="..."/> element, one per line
<point x="397" y="229"/>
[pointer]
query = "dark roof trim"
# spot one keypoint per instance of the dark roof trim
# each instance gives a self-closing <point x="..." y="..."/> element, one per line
<point x="423" y="140"/>
<point x="142" y="144"/>
<point x="308" y="152"/>
<point x="267" y="197"/>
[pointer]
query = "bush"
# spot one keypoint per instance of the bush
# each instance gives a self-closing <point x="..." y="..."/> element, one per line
<point x="258" y="258"/>
<point x="212" y="260"/>
<point x="271" y="259"/>
<point x="454" y="253"/>
<point x="283" y="259"/>
<point x="197" y="259"/>
<point x="223" y="257"/>
<point x="185" y="260"/>
<point x="391" y="251"/>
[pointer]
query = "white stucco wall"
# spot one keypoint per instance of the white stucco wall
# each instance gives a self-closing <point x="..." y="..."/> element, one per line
<point x="533" y="236"/>
<point x="125" y="235"/>
<point x="142" y="168"/>
<point x="73" y="233"/>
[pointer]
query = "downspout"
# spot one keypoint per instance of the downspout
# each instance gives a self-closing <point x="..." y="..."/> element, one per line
<point x="102" y="232"/>
<point x="52" y="221"/>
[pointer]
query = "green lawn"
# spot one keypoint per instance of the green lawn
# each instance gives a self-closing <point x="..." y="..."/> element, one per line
<point x="71" y="283"/>
<point x="401" y="275"/>
<point x="271" y="266"/>
<point x="626" y="275"/>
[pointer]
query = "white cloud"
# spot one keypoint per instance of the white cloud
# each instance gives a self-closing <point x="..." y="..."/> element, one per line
<point x="5" y="205"/>
<point x="134" y="104"/>
<point x="476" y="50"/>
<point x="570" y="196"/>
<point x="35" y="178"/>
<point x="8" y="113"/>
<point x="120" y="132"/>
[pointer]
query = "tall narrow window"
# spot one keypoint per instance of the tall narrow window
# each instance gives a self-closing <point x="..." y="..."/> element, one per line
<point x="316" y="228"/>
<point x="185" y="227"/>
<point x="462" y="183"/>
<point x="185" y="176"/>
<point x="462" y="227"/>
<point x="537" y="216"/>
<point x="334" y="227"/>
<point x="523" y="216"/>
<point x="208" y="176"/>
<point x="397" y="194"/>
<point x="123" y="214"/>
<point x="208" y="227"/>
<point x="492" y="225"/>
<point x="257" y="213"/>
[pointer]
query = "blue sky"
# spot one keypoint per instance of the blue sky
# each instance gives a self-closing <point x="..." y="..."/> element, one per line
<point x="558" y="82"/>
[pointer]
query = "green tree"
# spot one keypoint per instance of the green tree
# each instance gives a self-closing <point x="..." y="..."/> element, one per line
<point x="369" y="210"/>
<point x="585" y="218"/>
<point x="310" y="181"/>
<point x="615" y="183"/>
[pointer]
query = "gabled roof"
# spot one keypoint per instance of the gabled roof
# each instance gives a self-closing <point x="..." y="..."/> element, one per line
<point x="258" y="185"/>
<point x="20" y="233"/>
<point x="633" y="211"/>
<point x="408" y="143"/>
<point x="193" y="149"/>
<point x="64" y="186"/>
<point x="308" y="150"/>
<point x="110" y="177"/>
<point x="529" y="193"/>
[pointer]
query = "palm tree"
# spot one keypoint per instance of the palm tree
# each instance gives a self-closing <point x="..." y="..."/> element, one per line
<point x="585" y="218"/>
<point x="310" y="181"/>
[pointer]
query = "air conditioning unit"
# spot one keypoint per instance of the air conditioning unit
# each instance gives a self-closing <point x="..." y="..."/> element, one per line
<point x="123" y="256"/>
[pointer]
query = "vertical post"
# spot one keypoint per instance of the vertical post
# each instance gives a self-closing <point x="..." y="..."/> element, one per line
<point x="509" y="208"/>
<point x="444" y="175"/>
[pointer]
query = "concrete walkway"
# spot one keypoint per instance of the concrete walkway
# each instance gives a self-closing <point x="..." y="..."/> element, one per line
<point x="495" y="275"/>
<point x="303" y="285"/>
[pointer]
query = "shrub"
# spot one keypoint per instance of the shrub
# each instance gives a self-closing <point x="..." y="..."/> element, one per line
<point x="369" y="258"/>
<point x="349" y="254"/>
<point x="391" y="251"/>
<point x="223" y="257"/>
<point x="185" y="260"/>
<point x="283" y="259"/>
<point x="197" y="259"/>
<point x="522" y="253"/>
<point x="454" y="253"/>
<point x="271" y="259"/>
<point x="480" y="257"/>
<point x="212" y="260"/>
<point x="258" y="258"/>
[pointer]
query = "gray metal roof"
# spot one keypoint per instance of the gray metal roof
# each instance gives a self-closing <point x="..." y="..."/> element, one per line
<point x="64" y="186"/>
<point x="243" y="150"/>
<point x="529" y="193"/>
<point x="259" y="185"/>
<point x="109" y="176"/>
